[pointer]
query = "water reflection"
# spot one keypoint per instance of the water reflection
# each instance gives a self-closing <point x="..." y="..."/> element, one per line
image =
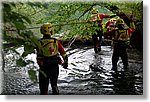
<point x="87" y="74"/>
<point x="123" y="85"/>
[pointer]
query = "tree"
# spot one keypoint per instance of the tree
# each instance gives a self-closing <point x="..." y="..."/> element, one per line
<point x="15" y="32"/>
<point x="22" y="21"/>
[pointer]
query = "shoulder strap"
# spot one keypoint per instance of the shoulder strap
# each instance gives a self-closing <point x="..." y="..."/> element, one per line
<point x="118" y="35"/>
<point x="47" y="43"/>
<point x="54" y="40"/>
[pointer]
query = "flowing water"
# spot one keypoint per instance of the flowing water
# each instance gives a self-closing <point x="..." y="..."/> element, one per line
<point x="87" y="74"/>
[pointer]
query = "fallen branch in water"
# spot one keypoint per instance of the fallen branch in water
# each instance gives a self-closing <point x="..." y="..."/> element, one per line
<point x="71" y="42"/>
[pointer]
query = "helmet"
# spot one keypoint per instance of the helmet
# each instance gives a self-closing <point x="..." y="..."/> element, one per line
<point x="47" y="29"/>
<point x="111" y="25"/>
<point x="119" y="22"/>
<point x="94" y="11"/>
<point x="112" y="20"/>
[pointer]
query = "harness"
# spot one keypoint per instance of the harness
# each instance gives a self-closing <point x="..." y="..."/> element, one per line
<point x="48" y="47"/>
<point x="121" y="37"/>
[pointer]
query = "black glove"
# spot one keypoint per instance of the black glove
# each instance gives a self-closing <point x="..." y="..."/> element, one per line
<point x="65" y="65"/>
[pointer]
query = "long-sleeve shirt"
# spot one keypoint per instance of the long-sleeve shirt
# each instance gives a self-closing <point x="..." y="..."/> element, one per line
<point x="99" y="18"/>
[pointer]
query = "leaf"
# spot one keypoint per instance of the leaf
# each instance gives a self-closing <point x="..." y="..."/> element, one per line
<point x="21" y="63"/>
<point x="7" y="7"/>
<point x="42" y="73"/>
<point x="35" y="41"/>
<point x="32" y="75"/>
<point x="26" y="19"/>
<point x="28" y="49"/>
<point x="19" y="25"/>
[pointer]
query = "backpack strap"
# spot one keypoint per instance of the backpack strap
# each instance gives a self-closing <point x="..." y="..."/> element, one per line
<point x="54" y="40"/>
<point x="48" y="42"/>
<point x="118" y="34"/>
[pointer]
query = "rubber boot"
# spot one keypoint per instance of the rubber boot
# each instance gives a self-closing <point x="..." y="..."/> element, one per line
<point x="44" y="93"/>
<point x="126" y="68"/>
<point x="55" y="90"/>
<point x="114" y="68"/>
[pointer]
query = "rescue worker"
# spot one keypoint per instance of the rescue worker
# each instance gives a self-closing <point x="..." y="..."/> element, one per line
<point x="48" y="59"/>
<point x="120" y="40"/>
<point x="132" y="24"/>
<point x="109" y="26"/>
<point x="97" y="18"/>
<point x="133" y="32"/>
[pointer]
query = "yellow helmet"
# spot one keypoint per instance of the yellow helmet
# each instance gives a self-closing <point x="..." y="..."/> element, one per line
<point x="94" y="11"/>
<point x="112" y="20"/>
<point x="119" y="22"/>
<point x="47" y="29"/>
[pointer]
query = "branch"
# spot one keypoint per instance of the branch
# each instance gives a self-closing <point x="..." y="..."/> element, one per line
<point x="36" y="12"/>
<point x="63" y="24"/>
<point x="65" y="20"/>
<point x="70" y="43"/>
<point x="71" y="23"/>
<point x="87" y="10"/>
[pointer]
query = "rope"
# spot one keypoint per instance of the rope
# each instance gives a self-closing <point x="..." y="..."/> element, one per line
<point x="63" y="24"/>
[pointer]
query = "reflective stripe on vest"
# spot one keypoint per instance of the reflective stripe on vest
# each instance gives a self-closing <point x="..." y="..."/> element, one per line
<point x="95" y="17"/>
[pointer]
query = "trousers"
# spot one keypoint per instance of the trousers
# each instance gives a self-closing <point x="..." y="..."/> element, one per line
<point x="48" y="74"/>
<point x="96" y="41"/>
<point x="119" y="51"/>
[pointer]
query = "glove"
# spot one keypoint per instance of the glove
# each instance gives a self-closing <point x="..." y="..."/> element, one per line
<point x="65" y="65"/>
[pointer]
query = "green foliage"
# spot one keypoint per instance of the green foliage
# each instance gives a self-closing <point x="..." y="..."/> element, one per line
<point x="15" y="33"/>
<point x="19" y="17"/>
<point x="129" y="8"/>
<point x="21" y="63"/>
<point x="32" y="75"/>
